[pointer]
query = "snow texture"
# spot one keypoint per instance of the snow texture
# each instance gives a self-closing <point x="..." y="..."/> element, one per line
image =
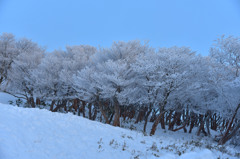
<point x="27" y="133"/>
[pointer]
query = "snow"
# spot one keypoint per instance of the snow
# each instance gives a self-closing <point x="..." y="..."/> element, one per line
<point x="27" y="133"/>
<point x="5" y="98"/>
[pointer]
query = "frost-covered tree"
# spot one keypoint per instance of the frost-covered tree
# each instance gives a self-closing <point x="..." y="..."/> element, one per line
<point x="76" y="58"/>
<point x="21" y="81"/>
<point x="57" y="70"/>
<point x="47" y="75"/>
<point x="226" y="51"/>
<point x="8" y="53"/>
<point x="111" y="66"/>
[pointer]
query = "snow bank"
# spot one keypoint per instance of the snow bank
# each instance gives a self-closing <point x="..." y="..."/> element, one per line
<point x="27" y="133"/>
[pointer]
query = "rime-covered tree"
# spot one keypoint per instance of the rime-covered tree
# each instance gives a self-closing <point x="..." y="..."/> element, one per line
<point x="21" y="81"/>
<point x="8" y="53"/>
<point x="226" y="51"/>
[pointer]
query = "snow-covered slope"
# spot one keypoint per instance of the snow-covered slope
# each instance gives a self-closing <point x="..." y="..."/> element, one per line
<point x="27" y="133"/>
<point x="5" y="98"/>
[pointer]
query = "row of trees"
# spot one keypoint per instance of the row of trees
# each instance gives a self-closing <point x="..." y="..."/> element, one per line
<point x="172" y="86"/>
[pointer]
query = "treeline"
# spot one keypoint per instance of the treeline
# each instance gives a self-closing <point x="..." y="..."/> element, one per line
<point x="167" y="86"/>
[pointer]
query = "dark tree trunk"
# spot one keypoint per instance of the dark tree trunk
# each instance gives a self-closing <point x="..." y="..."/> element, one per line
<point x="95" y="113"/>
<point x="79" y="111"/>
<point x="154" y="116"/>
<point x="207" y="123"/>
<point x="116" y="121"/>
<point x="192" y="123"/>
<point x="140" y="116"/>
<point x="175" y="119"/>
<point x="213" y="122"/>
<point x="182" y="127"/>
<point x="83" y="108"/>
<point x="111" y="117"/>
<point x="162" y="122"/>
<point x="59" y="105"/>
<point x="76" y="104"/>
<point x="103" y="112"/>
<point x="155" y="124"/>
<point x="160" y="117"/>
<point x="31" y="102"/>
<point x="169" y="118"/>
<point x="38" y="102"/>
<point x="201" y="126"/>
<point x="228" y="135"/>
<point x="146" y="119"/>
<point x="52" y="105"/>
<point x="90" y="111"/>
<point x="1" y="80"/>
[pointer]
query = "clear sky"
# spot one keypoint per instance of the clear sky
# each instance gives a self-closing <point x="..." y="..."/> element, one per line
<point x="57" y="23"/>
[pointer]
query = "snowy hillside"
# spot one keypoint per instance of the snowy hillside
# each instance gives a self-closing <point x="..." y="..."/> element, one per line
<point x="27" y="133"/>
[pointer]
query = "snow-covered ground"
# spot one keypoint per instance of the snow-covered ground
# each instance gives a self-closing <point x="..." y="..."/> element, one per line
<point x="6" y="98"/>
<point x="27" y="133"/>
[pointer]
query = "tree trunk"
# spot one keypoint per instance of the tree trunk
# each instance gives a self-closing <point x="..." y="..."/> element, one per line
<point x="111" y="117"/>
<point x="38" y="102"/>
<point x="103" y="112"/>
<point x="160" y="118"/>
<point x="90" y="111"/>
<point x="162" y="122"/>
<point x="95" y="113"/>
<point x="155" y="124"/>
<point x="83" y="108"/>
<point x="146" y="119"/>
<point x="226" y="135"/>
<point x="192" y="122"/>
<point x="31" y="102"/>
<point x="214" y="122"/>
<point x="207" y="123"/>
<point x="52" y="104"/>
<point x="1" y="80"/>
<point x="201" y="126"/>
<point x="154" y="116"/>
<point x="169" y="118"/>
<point x="140" y="116"/>
<point x="171" y="124"/>
<point x="182" y="127"/>
<point x="57" y="107"/>
<point x="116" y="121"/>
<point x="76" y="104"/>
<point x="229" y="136"/>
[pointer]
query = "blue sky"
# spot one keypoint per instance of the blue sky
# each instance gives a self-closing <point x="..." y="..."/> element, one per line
<point x="165" y="23"/>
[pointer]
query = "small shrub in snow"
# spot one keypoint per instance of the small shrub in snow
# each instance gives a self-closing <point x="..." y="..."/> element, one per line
<point x="10" y="102"/>
<point x="132" y="127"/>
<point x="136" y="157"/>
<point x="154" y="147"/>
<point x="123" y="136"/>
<point x="156" y="155"/>
<point x="130" y="137"/>
<point x="143" y="142"/>
<point x="124" y="146"/>
<point x="111" y="142"/>
<point x="100" y="143"/>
